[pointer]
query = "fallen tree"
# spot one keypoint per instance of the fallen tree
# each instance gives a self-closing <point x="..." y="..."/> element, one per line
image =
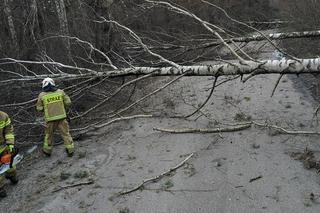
<point x="86" y="67"/>
<point x="283" y="66"/>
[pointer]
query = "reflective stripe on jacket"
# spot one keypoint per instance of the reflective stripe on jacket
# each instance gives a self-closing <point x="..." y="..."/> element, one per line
<point x="6" y="129"/>
<point x="53" y="104"/>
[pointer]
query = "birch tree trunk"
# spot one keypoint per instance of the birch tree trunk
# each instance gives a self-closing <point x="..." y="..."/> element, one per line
<point x="13" y="34"/>
<point x="283" y="66"/>
<point x="277" y="36"/>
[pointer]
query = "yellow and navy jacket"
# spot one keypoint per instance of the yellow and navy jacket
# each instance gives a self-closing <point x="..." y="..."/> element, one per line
<point x="53" y="104"/>
<point x="6" y="130"/>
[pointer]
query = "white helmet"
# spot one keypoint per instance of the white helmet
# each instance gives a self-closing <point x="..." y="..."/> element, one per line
<point x="47" y="81"/>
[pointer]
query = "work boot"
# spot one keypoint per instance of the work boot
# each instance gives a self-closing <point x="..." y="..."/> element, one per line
<point x="14" y="179"/>
<point x="12" y="176"/>
<point x="46" y="153"/>
<point x="70" y="154"/>
<point x="3" y="193"/>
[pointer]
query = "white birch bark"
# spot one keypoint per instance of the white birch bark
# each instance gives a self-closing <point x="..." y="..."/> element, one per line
<point x="284" y="66"/>
<point x="277" y="36"/>
<point x="247" y="39"/>
<point x="235" y="68"/>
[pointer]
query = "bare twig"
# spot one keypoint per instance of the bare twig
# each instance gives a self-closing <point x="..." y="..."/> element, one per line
<point x="285" y="131"/>
<point x="153" y="179"/>
<point x="73" y="185"/>
<point x="244" y="24"/>
<point x="202" y="22"/>
<point x="167" y="190"/>
<point x="153" y="92"/>
<point x="254" y="179"/>
<point x="315" y="114"/>
<point x="112" y="95"/>
<point x="216" y="130"/>
<point x="206" y="101"/>
<point x="97" y="126"/>
<point x="277" y="83"/>
<point x="139" y="40"/>
<point x="87" y="43"/>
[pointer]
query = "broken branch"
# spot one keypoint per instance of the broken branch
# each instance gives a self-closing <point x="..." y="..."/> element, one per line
<point x="216" y="130"/>
<point x="74" y="185"/>
<point x="140" y="186"/>
<point x="285" y="131"/>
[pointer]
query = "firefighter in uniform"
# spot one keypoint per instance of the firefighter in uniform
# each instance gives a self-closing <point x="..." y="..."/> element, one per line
<point x="6" y="146"/>
<point x="53" y="103"/>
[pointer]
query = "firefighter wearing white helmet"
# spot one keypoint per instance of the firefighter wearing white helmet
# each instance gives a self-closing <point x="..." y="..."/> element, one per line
<point x="48" y="81"/>
<point x="53" y="102"/>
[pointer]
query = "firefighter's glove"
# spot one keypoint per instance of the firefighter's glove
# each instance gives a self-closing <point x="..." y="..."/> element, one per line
<point x="10" y="148"/>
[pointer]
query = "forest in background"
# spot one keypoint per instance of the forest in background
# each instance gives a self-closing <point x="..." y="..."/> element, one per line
<point x="87" y="33"/>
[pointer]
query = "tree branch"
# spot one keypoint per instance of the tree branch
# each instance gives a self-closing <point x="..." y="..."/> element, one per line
<point x="216" y="130"/>
<point x="153" y="179"/>
<point x="74" y="185"/>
